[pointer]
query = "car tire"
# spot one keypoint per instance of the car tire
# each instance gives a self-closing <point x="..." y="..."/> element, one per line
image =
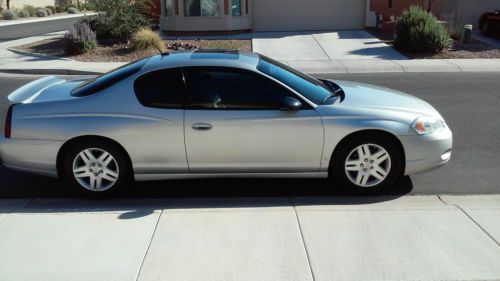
<point x="96" y="168"/>
<point x="375" y="172"/>
<point x="485" y="29"/>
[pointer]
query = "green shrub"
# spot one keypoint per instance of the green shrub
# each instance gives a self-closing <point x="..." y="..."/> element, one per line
<point x="9" y="15"/>
<point x="90" y="6"/>
<point x="72" y="10"/>
<point x="71" y="6"/>
<point x="80" y="38"/>
<point x="419" y="31"/>
<point x="60" y="9"/>
<point x="41" y="12"/>
<point x="23" y="14"/>
<point x="145" y="39"/>
<point x="52" y="9"/>
<point x="30" y="9"/>
<point x="118" y="19"/>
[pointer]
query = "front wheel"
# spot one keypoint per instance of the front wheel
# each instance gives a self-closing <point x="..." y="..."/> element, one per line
<point x="96" y="168"/>
<point x="367" y="165"/>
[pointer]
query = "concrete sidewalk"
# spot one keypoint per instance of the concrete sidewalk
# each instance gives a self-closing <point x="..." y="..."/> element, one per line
<point x="13" y="61"/>
<point x="341" y="238"/>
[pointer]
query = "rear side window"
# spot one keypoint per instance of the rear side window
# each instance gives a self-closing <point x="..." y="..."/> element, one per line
<point x="100" y="83"/>
<point x="161" y="89"/>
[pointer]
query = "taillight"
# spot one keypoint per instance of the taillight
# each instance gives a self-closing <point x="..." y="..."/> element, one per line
<point x="8" y="123"/>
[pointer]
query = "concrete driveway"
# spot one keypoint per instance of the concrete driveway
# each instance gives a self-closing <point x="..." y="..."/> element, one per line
<point x="323" y="46"/>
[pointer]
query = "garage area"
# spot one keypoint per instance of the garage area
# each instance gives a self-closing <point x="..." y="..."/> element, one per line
<point x="297" y="15"/>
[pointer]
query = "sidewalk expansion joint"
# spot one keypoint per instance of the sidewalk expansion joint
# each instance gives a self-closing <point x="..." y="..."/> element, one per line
<point x="472" y="219"/>
<point x="149" y="245"/>
<point x="304" y="243"/>
<point x="321" y="47"/>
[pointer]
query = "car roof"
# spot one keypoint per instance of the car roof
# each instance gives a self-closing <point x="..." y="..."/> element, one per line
<point x="204" y="57"/>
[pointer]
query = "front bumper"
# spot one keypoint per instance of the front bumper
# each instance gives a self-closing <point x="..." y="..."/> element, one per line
<point x="32" y="156"/>
<point x="427" y="152"/>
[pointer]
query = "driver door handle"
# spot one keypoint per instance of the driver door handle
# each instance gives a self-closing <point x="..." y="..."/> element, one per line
<point x="201" y="126"/>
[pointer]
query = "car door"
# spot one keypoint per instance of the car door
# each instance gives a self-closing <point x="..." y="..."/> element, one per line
<point x="233" y="124"/>
<point x="161" y="148"/>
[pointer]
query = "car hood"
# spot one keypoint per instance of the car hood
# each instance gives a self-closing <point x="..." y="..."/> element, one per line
<point x="360" y="95"/>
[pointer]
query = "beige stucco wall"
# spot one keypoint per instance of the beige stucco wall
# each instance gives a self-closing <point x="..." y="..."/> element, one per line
<point x="35" y="3"/>
<point x="279" y="15"/>
<point x="466" y="11"/>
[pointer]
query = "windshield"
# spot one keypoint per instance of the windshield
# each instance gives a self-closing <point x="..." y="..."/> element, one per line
<point x="314" y="90"/>
<point x="105" y="80"/>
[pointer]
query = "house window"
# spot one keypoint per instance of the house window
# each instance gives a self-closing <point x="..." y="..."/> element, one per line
<point x="236" y="8"/>
<point x="390" y="4"/>
<point x="204" y="8"/>
<point x="169" y="8"/>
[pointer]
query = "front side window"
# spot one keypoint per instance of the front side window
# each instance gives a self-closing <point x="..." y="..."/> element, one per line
<point x="236" y="8"/>
<point x="315" y="90"/>
<point x="205" y="8"/>
<point x="160" y="89"/>
<point x="229" y="88"/>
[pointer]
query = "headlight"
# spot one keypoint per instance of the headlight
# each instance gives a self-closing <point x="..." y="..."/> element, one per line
<point x="427" y="125"/>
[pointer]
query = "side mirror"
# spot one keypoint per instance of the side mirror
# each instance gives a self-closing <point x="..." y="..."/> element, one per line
<point x="290" y="104"/>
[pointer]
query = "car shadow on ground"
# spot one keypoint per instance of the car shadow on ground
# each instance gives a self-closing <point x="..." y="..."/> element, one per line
<point x="16" y="185"/>
<point x="38" y="194"/>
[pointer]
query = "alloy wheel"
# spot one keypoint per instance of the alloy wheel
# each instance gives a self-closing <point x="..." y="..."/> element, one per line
<point x="95" y="169"/>
<point x="368" y="165"/>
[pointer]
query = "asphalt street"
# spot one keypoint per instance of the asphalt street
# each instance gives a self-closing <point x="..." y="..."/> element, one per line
<point x="469" y="102"/>
<point x="19" y="31"/>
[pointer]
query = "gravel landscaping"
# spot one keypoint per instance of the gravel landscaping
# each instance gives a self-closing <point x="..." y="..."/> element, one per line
<point x="473" y="50"/>
<point x="123" y="53"/>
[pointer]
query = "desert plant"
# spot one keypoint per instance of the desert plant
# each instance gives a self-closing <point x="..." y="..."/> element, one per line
<point x="80" y="38"/>
<point x="145" y="39"/>
<point x="9" y="15"/>
<point x="72" y="10"/>
<point x="48" y="11"/>
<point x="118" y="19"/>
<point x="52" y="9"/>
<point x="41" y="12"/>
<point x="71" y="6"/>
<point x="60" y="9"/>
<point x="23" y="14"/>
<point x="30" y="9"/>
<point x="419" y="31"/>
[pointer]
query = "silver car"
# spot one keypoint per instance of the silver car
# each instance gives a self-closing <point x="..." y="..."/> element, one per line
<point x="210" y="113"/>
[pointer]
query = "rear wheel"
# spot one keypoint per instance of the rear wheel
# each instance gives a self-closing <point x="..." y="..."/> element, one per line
<point x="367" y="165"/>
<point x="96" y="168"/>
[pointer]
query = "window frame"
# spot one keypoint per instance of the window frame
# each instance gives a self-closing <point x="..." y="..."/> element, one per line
<point x="306" y="105"/>
<point x="183" y="99"/>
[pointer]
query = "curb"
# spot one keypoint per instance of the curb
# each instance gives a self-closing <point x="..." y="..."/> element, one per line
<point x="36" y="20"/>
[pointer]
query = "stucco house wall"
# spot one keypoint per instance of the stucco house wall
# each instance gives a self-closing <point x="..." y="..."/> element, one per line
<point x="36" y="3"/>
<point x="464" y="11"/>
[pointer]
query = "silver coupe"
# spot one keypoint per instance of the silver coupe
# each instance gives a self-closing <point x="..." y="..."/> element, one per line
<point x="219" y="113"/>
